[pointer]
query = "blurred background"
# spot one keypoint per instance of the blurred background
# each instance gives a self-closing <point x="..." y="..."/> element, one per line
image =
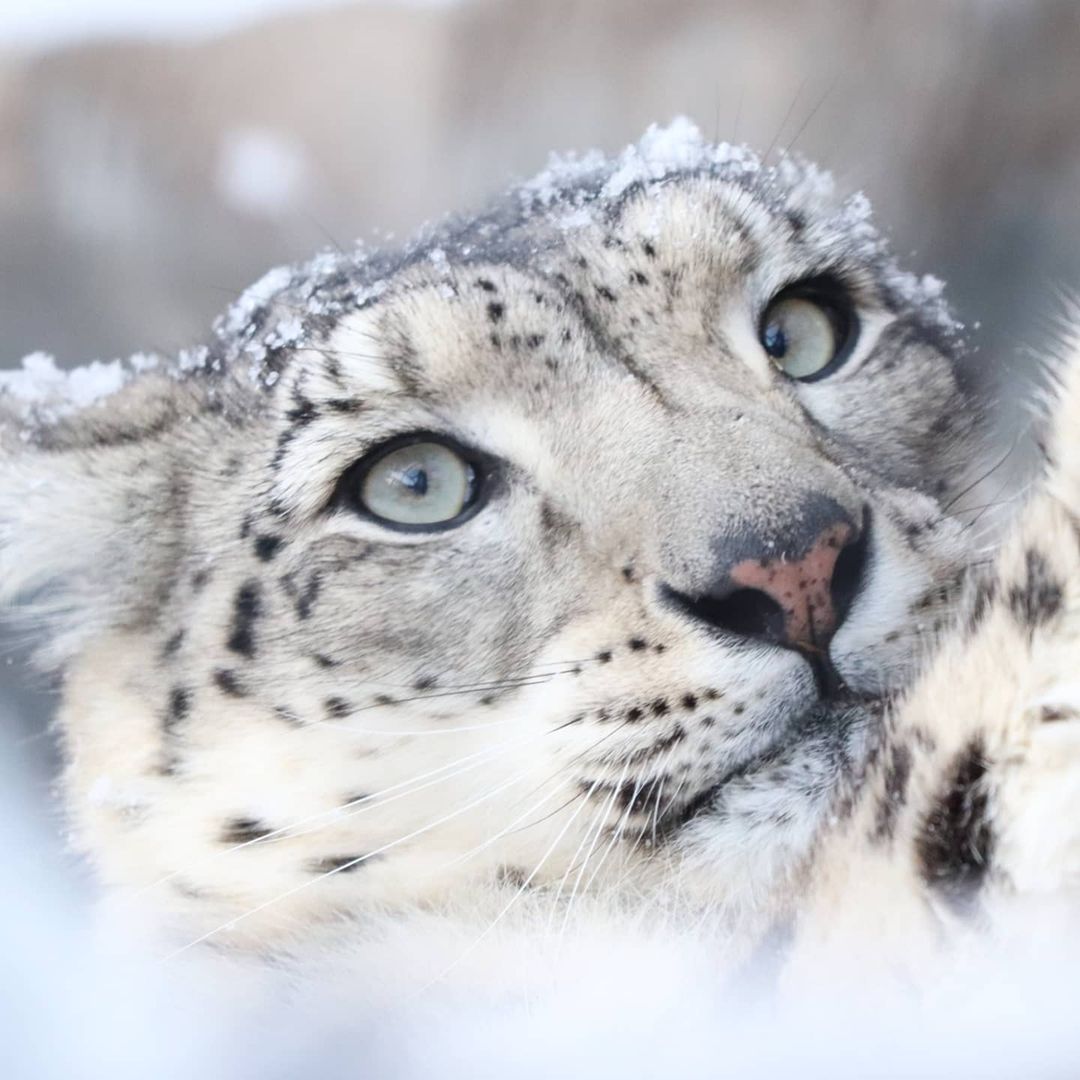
<point x="156" y="156"/>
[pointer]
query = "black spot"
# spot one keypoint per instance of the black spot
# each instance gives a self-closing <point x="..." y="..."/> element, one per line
<point x="495" y="311"/>
<point x="338" y="864"/>
<point x="226" y="681"/>
<point x="649" y="250"/>
<point x="739" y="709"/>
<point x="1055" y="714"/>
<point x="178" y="708"/>
<point x="246" y="610"/>
<point x="384" y="699"/>
<point x="488" y="699"/>
<point x="200" y="578"/>
<point x="513" y="877"/>
<point x="955" y="844"/>
<point x="345" y="405"/>
<point x="267" y="546"/>
<point x="553" y="521"/>
<point x="896" y="777"/>
<point x="636" y="644"/>
<point x="324" y="661"/>
<point x="984" y="597"/>
<point x="604" y="657"/>
<point x="304" y="598"/>
<point x="534" y="341"/>
<point x="244" y="830"/>
<point x="689" y="701"/>
<point x="172" y="645"/>
<point x="604" y="292"/>
<point x="303" y="413"/>
<point x="337" y="707"/>
<point x="628" y="573"/>
<point x="486" y="285"/>
<point x="634" y="714"/>
<point x="659" y="707"/>
<point x="1039" y="598"/>
<point x="426" y="682"/>
<point x="638" y="278"/>
<point x="283" y="441"/>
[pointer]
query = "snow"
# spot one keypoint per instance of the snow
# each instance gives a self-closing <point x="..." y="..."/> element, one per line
<point x="262" y="172"/>
<point x="662" y="150"/>
<point x="39" y="386"/>
<point x="265" y="173"/>
<point x="254" y="296"/>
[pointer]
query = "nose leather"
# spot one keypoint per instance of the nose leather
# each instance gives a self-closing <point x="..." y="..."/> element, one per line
<point x="790" y="583"/>
<point x="801" y="588"/>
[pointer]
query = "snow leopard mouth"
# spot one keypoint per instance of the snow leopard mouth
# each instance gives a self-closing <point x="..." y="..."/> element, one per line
<point x="823" y="746"/>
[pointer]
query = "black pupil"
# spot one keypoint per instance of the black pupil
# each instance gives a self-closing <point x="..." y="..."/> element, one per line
<point x="775" y="341"/>
<point x="415" y="478"/>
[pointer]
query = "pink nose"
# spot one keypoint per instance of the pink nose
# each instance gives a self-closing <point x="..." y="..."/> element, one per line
<point x="803" y="588"/>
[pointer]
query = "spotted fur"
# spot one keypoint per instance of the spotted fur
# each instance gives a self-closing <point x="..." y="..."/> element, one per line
<point x="277" y="711"/>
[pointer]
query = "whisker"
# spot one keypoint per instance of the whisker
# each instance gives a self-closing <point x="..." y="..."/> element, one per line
<point x="335" y="813"/>
<point x="230" y="924"/>
<point x="502" y="913"/>
<point x="494" y="838"/>
<point x="989" y="472"/>
<point x="783" y="123"/>
<point x="813" y="112"/>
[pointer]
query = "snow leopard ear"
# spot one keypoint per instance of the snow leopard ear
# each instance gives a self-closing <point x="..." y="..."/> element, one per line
<point x="90" y="509"/>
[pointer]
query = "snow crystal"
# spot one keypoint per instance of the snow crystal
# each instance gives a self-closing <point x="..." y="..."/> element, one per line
<point x="569" y="193"/>
<point x="287" y="332"/>
<point x="562" y="171"/>
<point x="661" y="150"/>
<point x="263" y="172"/>
<point x="253" y="297"/>
<point x="39" y="387"/>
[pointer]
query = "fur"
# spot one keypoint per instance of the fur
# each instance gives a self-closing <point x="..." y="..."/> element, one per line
<point x="279" y="716"/>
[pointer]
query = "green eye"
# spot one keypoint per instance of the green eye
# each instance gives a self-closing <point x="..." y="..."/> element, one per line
<point x="807" y="331"/>
<point x="418" y="484"/>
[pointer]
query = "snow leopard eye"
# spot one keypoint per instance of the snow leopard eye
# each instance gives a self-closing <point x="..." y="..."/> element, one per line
<point x="417" y="482"/>
<point x="808" y="329"/>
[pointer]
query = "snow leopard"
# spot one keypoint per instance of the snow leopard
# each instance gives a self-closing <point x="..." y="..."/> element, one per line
<point x="615" y="542"/>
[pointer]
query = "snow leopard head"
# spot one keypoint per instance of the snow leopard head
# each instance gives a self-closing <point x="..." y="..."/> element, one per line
<point x="576" y="540"/>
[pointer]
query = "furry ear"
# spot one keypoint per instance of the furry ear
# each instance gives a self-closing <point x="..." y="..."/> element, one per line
<point x="90" y="509"/>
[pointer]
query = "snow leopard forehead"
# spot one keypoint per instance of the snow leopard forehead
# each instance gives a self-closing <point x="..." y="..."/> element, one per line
<point x="542" y="218"/>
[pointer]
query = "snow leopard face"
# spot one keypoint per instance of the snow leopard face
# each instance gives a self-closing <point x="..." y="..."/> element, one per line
<point x="579" y="540"/>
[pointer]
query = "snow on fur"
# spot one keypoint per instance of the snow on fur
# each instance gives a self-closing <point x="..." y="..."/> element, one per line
<point x="571" y="193"/>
